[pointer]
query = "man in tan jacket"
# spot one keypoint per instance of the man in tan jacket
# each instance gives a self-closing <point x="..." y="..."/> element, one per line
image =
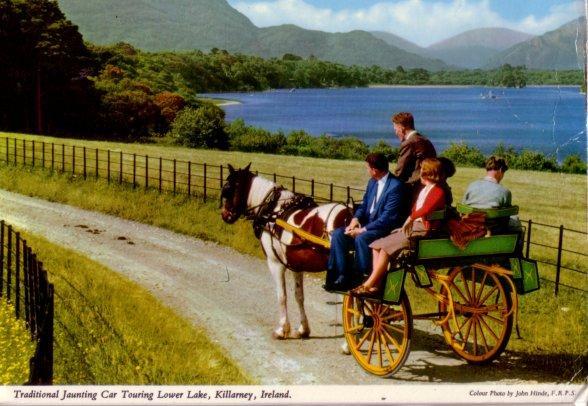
<point x="414" y="147"/>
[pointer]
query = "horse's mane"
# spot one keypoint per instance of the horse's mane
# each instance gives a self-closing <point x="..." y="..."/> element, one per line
<point x="260" y="187"/>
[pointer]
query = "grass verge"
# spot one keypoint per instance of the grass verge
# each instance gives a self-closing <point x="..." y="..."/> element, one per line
<point x="553" y="328"/>
<point x="16" y="347"/>
<point x="109" y="330"/>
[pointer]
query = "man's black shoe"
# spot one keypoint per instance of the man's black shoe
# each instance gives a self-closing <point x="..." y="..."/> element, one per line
<point x="336" y="287"/>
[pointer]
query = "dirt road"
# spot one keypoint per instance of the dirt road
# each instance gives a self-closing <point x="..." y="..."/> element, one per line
<point x="232" y="296"/>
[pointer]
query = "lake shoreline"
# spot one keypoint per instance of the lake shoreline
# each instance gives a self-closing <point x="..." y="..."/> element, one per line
<point x="481" y="116"/>
<point x="374" y="86"/>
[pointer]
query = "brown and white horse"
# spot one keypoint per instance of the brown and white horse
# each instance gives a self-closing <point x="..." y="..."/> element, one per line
<point x="262" y="201"/>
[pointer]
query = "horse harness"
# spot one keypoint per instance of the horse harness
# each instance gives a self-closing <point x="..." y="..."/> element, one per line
<point x="265" y="217"/>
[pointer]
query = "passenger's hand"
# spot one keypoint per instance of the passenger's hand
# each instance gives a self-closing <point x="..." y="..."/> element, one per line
<point x="356" y="231"/>
<point x="353" y="224"/>
<point x="407" y="227"/>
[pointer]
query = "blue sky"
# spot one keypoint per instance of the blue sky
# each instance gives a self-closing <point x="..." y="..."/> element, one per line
<point x="421" y="21"/>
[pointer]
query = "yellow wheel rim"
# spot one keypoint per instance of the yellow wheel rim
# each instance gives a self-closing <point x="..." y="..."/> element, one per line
<point x="378" y="334"/>
<point x="482" y="325"/>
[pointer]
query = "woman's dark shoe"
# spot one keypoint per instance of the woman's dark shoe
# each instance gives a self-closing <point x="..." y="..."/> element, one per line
<point x="338" y="286"/>
<point x="366" y="292"/>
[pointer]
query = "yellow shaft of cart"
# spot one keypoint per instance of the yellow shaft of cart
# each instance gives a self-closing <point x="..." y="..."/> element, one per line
<point x="305" y="235"/>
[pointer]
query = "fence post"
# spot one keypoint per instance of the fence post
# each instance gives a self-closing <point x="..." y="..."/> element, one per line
<point x="348" y="195"/>
<point x="25" y="268"/>
<point x="24" y="152"/>
<point x="160" y="170"/>
<point x="15" y="148"/>
<point x="293" y="184"/>
<point x="7" y="156"/>
<point x="205" y="194"/>
<point x="33" y="297"/>
<point x="120" y="169"/>
<point x="84" y="159"/>
<point x="2" y="226"/>
<point x="146" y="171"/>
<point x="220" y="195"/>
<point x="189" y="178"/>
<point x="62" y="158"/>
<point x="530" y="224"/>
<point x="174" y="176"/>
<point x="108" y="165"/>
<point x="134" y="170"/>
<point x="221" y="178"/>
<point x="52" y="157"/>
<point x="43" y="153"/>
<point x="9" y="263"/>
<point x="17" y="270"/>
<point x="559" y="251"/>
<point x="331" y="192"/>
<point x="73" y="159"/>
<point x="97" y="168"/>
<point x="275" y="178"/>
<point x="312" y="188"/>
<point x="33" y="153"/>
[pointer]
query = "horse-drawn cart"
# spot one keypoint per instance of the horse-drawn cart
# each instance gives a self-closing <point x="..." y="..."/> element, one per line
<point x="476" y="291"/>
<point x="475" y="288"/>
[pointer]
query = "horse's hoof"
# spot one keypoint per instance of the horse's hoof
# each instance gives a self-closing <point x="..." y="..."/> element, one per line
<point x="344" y="349"/>
<point x="278" y="336"/>
<point x="302" y="335"/>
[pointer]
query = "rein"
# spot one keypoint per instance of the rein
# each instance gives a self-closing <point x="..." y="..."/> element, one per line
<point x="265" y="214"/>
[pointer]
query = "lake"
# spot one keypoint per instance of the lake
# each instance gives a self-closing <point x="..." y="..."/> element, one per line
<point x="547" y="119"/>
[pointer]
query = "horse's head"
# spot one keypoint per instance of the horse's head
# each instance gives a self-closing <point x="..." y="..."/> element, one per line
<point x="235" y="193"/>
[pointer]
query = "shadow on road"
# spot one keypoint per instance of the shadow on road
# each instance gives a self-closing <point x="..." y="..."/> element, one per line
<point x="433" y="360"/>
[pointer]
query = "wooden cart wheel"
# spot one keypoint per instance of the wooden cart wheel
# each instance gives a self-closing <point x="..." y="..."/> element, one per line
<point x="378" y="334"/>
<point x="481" y="303"/>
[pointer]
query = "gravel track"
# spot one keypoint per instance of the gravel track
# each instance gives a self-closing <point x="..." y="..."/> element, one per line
<point x="232" y="296"/>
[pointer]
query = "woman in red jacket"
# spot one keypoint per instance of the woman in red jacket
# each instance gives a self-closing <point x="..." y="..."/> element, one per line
<point x="431" y="197"/>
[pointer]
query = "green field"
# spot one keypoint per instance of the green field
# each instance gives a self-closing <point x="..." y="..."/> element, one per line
<point x="553" y="328"/>
<point x="109" y="330"/>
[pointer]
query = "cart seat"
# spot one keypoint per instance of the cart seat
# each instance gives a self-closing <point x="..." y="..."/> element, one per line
<point x="491" y="214"/>
<point x="500" y="242"/>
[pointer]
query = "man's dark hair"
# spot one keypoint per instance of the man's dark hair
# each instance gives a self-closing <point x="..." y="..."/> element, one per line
<point x="377" y="161"/>
<point x="495" y="163"/>
<point x="448" y="166"/>
<point x="405" y="119"/>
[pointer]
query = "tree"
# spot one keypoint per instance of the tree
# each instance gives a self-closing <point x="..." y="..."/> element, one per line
<point x="170" y="105"/>
<point x="573" y="164"/>
<point x="508" y="76"/>
<point x="203" y="127"/>
<point x="463" y="154"/>
<point x="130" y="114"/>
<point x="44" y="70"/>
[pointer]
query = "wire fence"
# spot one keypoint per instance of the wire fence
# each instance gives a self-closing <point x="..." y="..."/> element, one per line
<point x="24" y="284"/>
<point x="206" y="180"/>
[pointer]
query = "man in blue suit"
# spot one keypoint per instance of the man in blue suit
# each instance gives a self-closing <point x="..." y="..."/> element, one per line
<point x="381" y="211"/>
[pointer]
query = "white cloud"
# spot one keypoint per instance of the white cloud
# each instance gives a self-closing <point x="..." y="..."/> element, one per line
<point x="423" y="22"/>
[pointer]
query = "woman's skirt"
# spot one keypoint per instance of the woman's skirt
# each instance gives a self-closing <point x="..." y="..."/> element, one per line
<point x="397" y="240"/>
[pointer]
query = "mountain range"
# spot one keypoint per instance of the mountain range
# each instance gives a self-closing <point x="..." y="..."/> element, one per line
<point x="564" y="48"/>
<point x="181" y="25"/>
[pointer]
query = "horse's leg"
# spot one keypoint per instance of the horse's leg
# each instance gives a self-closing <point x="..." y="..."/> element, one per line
<point x="303" y="330"/>
<point x="277" y="270"/>
<point x="278" y="273"/>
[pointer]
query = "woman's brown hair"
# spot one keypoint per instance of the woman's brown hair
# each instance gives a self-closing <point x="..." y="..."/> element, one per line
<point x="432" y="170"/>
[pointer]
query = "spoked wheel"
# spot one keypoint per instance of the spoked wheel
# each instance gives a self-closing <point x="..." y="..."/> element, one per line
<point x="378" y="334"/>
<point x="482" y="306"/>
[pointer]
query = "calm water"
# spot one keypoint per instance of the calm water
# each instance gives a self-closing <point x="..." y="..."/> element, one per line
<point x="547" y="119"/>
